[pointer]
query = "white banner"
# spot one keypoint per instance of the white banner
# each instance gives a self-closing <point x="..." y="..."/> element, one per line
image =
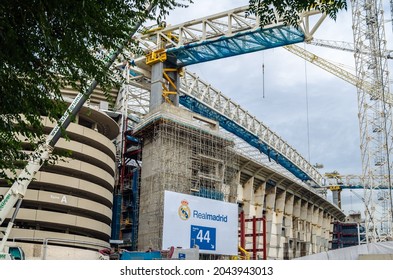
<point x="190" y="221"/>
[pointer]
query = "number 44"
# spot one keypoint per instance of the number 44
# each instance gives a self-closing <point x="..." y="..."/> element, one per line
<point x="203" y="237"/>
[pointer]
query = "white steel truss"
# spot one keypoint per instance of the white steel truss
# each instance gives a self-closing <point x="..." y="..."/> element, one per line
<point x="221" y="24"/>
<point x="345" y="46"/>
<point x="202" y="91"/>
<point x="368" y="86"/>
<point x="375" y="115"/>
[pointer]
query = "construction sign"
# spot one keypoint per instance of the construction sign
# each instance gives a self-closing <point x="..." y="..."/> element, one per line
<point x="191" y="221"/>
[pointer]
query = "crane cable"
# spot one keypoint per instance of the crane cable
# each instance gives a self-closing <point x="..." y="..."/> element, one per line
<point x="263" y="75"/>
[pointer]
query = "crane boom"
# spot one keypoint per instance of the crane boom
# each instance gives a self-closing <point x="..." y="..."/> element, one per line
<point x="371" y="89"/>
<point x="344" y="46"/>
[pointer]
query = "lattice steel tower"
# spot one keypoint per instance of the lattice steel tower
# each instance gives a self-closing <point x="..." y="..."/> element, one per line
<point x="375" y="115"/>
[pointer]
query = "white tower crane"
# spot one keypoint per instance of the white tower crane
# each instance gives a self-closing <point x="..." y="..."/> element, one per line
<point x="375" y="115"/>
<point x="372" y="92"/>
<point x="374" y="105"/>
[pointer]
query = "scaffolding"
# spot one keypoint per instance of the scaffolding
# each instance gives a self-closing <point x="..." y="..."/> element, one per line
<point x="182" y="156"/>
<point x="126" y="194"/>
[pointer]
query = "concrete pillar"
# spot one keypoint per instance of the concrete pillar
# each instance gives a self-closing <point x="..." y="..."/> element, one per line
<point x="288" y="214"/>
<point x="296" y="224"/>
<point x="248" y="208"/>
<point x="157" y="82"/>
<point x="156" y="85"/>
<point x="303" y="228"/>
<point x="310" y="213"/>
<point x="270" y="199"/>
<point x="259" y="199"/>
<point x="314" y="223"/>
<point x="279" y="210"/>
<point x="328" y="229"/>
<point x="319" y="230"/>
<point x="303" y="220"/>
<point x="236" y="182"/>
<point x="288" y="226"/>
<point x="248" y="198"/>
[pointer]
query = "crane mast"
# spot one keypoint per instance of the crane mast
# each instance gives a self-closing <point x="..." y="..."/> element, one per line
<point x="375" y="116"/>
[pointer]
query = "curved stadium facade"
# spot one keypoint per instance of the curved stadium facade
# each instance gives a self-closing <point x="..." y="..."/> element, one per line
<point x="67" y="210"/>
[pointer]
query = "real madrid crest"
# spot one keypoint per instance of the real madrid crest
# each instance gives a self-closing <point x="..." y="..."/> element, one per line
<point x="184" y="211"/>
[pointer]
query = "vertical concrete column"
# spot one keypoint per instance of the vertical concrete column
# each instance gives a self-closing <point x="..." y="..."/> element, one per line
<point x="310" y="212"/>
<point x="303" y="220"/>
<point x="320" y="242"/>
<point x="303" y="228"/>
<point x="336" y="197"/>
<point x="328" y="230"/>
<point x="236" y="182"/>
<point x="288" y="214"/>
<point x="280" y="239"/>
<point x="323" y="231"/>
<point x="259" y="198"/>
<point x="288" y="225"/>
<point x="296" y="224"/>
<point x="156" y="85"/>
<point x="314" y="229"/>
<point x="270" y="215"/>
<point x="248" y="198"/>
<point x="248" y="207"/>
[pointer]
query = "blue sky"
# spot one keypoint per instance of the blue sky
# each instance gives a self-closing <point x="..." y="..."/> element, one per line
<point x="313" y="110"/>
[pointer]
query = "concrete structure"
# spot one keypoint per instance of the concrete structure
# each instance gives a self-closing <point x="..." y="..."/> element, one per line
<point x="67" y="210"/>
<point x="298" y="219"/>
<point x="182" y="152"/>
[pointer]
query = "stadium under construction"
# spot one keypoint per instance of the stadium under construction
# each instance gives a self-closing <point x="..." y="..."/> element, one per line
<point x="175" y="164"/>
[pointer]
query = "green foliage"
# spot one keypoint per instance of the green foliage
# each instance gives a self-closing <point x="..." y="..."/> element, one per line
<point x="289" y="10"/>
<point x="46" y="45"/>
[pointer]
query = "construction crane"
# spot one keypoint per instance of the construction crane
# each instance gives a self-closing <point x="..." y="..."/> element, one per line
<point x="374" y="157"/>
<point x="344" y="46"/>
<point x="375" y="115"/>
<point x="374" y="104"/>
<point x="368" y="86"/>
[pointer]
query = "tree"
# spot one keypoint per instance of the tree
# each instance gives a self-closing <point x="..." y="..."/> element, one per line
<point x="46" y="45"/>
<point x="289" y="10"/>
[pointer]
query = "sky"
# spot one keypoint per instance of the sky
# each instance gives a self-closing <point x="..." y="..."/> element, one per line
<point x="313" y="110"/>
